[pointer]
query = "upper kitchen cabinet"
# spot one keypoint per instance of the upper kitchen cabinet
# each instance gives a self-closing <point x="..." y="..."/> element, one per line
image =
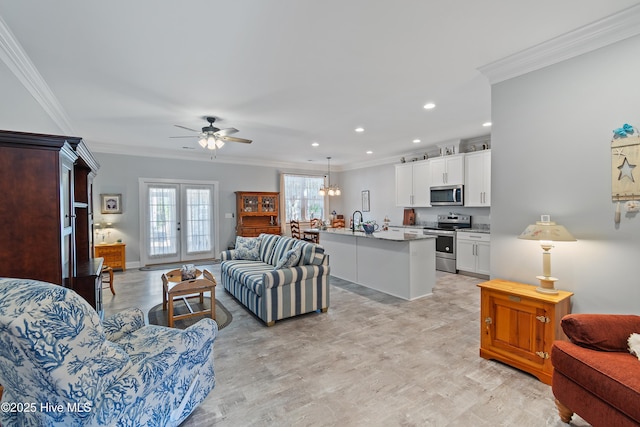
<point x="447" y="170"/>
<point x="477" y="186"/>
<point x="412" y="184"/>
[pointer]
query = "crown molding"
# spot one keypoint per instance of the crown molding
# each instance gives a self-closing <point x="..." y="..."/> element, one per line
<point x="18" y="61"/>
<point x="198" y="155"/>
<point x="611" y="29"/>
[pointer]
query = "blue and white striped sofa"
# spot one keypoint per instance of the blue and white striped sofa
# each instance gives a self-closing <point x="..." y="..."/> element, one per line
<point x="273" y="293"/>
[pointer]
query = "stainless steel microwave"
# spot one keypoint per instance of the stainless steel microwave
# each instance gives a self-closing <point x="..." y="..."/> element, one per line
<point x="447" y="195"/>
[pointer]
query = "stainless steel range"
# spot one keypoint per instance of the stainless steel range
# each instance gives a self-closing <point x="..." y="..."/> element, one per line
<point x="445" y="232"/>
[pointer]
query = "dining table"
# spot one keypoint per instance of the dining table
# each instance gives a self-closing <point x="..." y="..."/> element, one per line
<point x="311" y="235"/>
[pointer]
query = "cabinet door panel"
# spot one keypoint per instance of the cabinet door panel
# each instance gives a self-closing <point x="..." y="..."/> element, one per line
<point x="483" y="251"/>
<point x="455" y="170"/>
<point x="437" y="172"/>
<point x="487" y="179"/>
<point x="421" y="186"/>
<point x="516" y="329"/>
<point x="465" y="258"/>
<point x="474" y="184"/>
<point x="404" y="185"/>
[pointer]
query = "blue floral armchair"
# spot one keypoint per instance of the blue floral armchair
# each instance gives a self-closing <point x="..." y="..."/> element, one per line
<point x="61" y="366"/>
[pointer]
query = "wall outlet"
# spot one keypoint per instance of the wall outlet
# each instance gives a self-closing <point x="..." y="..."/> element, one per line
<point x="228" y="215"/>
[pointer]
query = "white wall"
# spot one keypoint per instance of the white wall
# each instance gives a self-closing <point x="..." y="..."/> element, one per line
<point x="380" y="181"/>
<point x="551" y="137"/>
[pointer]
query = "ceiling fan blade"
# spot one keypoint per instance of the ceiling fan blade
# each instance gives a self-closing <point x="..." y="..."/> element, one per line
<point x="227" y="131"/>
<point x="187" y="136"/>
<point x="234" y="139"/>
<point x="184" y="127"/>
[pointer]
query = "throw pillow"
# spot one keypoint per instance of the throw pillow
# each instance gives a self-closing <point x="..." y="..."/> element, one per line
<point x="604" y="332"/>
<point x="289" y="259"/>
<point x="634" y="345"/>
<point x="248" y="248"/>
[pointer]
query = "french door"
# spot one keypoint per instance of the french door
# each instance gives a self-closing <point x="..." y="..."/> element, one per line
<point x="180" y="221"/>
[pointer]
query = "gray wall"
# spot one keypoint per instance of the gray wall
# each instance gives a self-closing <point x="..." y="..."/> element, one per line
<point x="120" y="173"/>
<point x="551" y="137"/>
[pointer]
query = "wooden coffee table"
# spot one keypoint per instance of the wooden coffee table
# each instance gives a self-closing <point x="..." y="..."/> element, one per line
<point x="176" y="275"/>
<point x="191" y="287"/>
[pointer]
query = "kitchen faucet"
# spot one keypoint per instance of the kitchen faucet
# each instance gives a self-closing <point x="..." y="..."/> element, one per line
<point x="353" y="220"/>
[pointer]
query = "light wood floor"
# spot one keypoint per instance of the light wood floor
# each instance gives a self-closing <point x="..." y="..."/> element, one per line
<point x="371" y="360"/>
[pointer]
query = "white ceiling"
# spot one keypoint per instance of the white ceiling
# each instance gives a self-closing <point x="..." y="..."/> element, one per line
<point x="285" y="73"/>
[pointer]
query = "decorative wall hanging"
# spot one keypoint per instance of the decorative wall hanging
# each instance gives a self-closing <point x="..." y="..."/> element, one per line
<point x="111" y="203"/>
<point x="365" y="201"/>
<point x="625" y="176"/>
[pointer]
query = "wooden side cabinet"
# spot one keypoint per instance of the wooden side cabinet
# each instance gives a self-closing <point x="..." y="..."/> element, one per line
<point x="114" y="255"/>
<point x="518" y="325"/>
<point x="257" y="212"/>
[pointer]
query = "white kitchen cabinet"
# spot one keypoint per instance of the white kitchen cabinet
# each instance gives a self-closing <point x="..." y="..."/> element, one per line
<point x="412" y="184"/>
<point x="472" y="252"/>
<point x="477" y="185"/>
<point x="447" y="170"/>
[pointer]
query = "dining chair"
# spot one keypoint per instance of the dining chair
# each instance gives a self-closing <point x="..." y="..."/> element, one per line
<point x="107" y="277"/>
<point x="313" y="236"/>
<point x="295" y="229"/>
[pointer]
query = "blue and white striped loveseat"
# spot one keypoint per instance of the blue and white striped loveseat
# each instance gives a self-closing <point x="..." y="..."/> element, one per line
<point x="277" y="276"/>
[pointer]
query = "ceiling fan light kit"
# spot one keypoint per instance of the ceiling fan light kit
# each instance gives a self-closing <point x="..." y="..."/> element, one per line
<point x="210" y="142"/>
<point x="214" y="138"/>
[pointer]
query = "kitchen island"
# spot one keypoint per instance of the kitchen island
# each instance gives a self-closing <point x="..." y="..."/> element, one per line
<point x="396" y="263"/>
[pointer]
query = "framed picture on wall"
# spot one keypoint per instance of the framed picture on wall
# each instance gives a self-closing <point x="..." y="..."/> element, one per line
<point x="111" y="203"/>
<point x="365" y="201"/>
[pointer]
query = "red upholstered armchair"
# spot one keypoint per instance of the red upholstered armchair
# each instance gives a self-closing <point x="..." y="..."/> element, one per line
<point x="595" y="375"/>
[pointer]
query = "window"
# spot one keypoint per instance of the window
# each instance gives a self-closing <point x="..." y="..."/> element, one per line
<point x="301" y="198"/>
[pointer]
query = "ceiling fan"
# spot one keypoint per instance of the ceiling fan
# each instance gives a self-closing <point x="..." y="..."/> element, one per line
<point x="212" y="137"/>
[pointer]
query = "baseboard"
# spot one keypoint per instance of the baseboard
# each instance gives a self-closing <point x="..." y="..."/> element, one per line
<point x="476" y="275"/>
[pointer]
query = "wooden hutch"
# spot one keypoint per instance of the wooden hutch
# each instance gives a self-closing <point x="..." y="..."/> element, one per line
<point x="257" y="212"/>
<point x="47" y="212"/>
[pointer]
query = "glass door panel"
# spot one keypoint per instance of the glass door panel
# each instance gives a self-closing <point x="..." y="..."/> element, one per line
<point x="163" y="224"/>
<point x="198" y="223"/>
<point x="179" y="222"/>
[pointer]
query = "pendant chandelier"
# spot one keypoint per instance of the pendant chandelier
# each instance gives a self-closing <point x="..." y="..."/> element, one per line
<point x="330" y="190"/>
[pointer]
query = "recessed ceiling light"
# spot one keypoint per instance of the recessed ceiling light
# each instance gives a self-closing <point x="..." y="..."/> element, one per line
<point x="359" y="129"/>
<point x="486" y="124"/>
<point x="429" y="106"/>
<point x="314" y="144"/>
<point x="369" y="152"/>
<point x="415" y="141"/>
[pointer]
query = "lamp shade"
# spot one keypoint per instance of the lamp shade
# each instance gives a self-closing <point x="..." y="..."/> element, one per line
<point x="546" y="230"/>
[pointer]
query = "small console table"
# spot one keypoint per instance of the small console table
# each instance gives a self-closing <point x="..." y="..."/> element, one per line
<point x="114" y="254"/>
<point x="518" y="325"/>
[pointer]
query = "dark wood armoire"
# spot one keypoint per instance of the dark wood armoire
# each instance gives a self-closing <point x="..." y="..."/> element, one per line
<point x="46" y="212"/>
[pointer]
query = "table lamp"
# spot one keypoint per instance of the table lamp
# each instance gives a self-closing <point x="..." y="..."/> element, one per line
<point x="547" y="232"/>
